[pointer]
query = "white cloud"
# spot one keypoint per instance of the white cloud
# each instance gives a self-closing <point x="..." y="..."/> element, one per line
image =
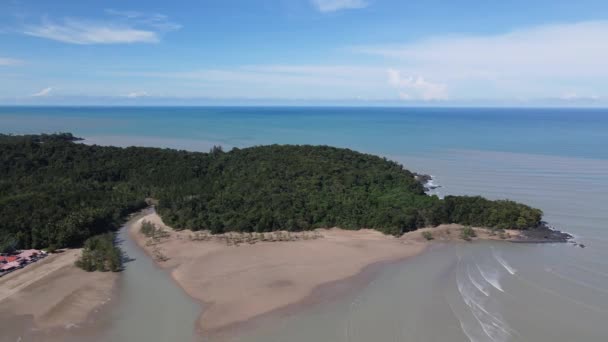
<point x="414" y="88"/>
<point x="551" y="51"/>
<point x="533" y="63"/>
<point x="9" y="61"/>
<point x="136" y="94"/>
<point x="43" y="93"/>
<point x="120" y="27"/>
<point x="326" y="6"/>
<point x="573" y="96"/>
<point x="79" y="32"/>
<point x="284" y="75"/>
<point x="270" y="81"/>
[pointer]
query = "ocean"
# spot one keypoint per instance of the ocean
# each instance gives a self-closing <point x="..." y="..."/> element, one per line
<point x="553" y="159"/>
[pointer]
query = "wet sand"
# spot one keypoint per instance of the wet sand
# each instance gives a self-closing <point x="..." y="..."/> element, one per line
<point x="51" y="294"/>
<point x="240" y="283"/>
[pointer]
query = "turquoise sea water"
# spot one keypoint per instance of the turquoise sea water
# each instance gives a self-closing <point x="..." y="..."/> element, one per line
<point x="554" y="159"/>
<point x="558" y="132"/>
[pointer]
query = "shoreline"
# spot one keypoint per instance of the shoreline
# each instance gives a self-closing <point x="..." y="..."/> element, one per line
<point x="240" y="285"/>
<point x="294" y="289"/>
<point x="325" y="293"/>
<point x="52" y="296"/>
<point x="237" y="286"/>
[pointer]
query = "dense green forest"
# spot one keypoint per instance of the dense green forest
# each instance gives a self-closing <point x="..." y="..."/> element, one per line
<point x="56" y="192"/>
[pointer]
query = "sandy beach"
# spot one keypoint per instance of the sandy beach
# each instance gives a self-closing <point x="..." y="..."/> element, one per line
<point x="239" y="283"/>
<point x="51" y="293"/>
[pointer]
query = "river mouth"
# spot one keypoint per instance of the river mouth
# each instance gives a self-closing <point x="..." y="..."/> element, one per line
<point x="147" y="304"/>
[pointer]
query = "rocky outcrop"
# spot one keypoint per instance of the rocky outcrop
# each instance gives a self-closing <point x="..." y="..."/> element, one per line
<point x="426" y="181"/>
<point x="543" y="233"/>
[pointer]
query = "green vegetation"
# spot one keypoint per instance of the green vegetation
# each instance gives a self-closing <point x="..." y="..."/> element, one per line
<point x="467" y="233"/>
<point x="148" y="229"/>
<point x="7" y="244"/>
<point x="427" y="235"/>
<point x="100" y="254"/>
<point x="55" y="192"/>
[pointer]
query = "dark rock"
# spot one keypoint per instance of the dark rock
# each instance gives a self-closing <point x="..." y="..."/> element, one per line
<point x="426" y="181"/>
<point x="422" y="178"/>
<point x="543" y="233"/>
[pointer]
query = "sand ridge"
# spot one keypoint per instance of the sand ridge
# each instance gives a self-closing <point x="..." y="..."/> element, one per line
<point x="54" y="292"/>
<point x="238" y="283"/>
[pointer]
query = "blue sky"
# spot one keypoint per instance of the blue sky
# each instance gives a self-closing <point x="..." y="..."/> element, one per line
<point x="357" y="52"/>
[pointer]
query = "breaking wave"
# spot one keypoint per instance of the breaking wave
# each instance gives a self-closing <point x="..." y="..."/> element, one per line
<point x="491" y="323"/>
<point x="491" y="277"/>
<point x="475" y="283"/>
<point x="503" y="262"/>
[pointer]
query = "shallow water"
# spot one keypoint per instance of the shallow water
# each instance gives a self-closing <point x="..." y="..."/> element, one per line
<point x="148" y="305"/>
<point x="555" y="160"/>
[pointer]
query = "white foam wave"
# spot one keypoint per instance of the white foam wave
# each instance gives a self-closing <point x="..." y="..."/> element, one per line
<point x="475" y="283"/>
<point x="491" y="277"/>
<point x="470" y="331"/>
<point x="496" y="329"/>
<point x="503" y="262"/>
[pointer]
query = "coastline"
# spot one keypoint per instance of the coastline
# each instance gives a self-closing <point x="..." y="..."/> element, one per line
<point x="239" y="285"/>
<point x="324" y="293"/>
<point x="52" y="295"/>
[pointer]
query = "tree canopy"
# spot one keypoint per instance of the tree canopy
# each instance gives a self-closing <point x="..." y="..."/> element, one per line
<point x="100" y="254"/>
<point x="56" y="192"/>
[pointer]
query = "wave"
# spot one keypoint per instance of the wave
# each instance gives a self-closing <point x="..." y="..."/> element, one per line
<point x="473" y="334"/>
<point x="503" y="262"/>
<point x="491" y="278"/>
<point x="475" y="283"/>
<point x="491" y="323"/>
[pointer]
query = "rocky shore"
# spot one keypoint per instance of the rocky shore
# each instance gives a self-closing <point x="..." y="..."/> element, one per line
<point x="426" y="181"/>
<point x="543" y="233"/>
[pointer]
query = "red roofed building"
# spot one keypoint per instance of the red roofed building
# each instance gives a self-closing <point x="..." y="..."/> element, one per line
<point x="7" y="259"/>
<point x="9" y="266"/>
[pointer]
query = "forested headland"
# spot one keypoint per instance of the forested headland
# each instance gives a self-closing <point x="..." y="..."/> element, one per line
<point x="55" y="192"/>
